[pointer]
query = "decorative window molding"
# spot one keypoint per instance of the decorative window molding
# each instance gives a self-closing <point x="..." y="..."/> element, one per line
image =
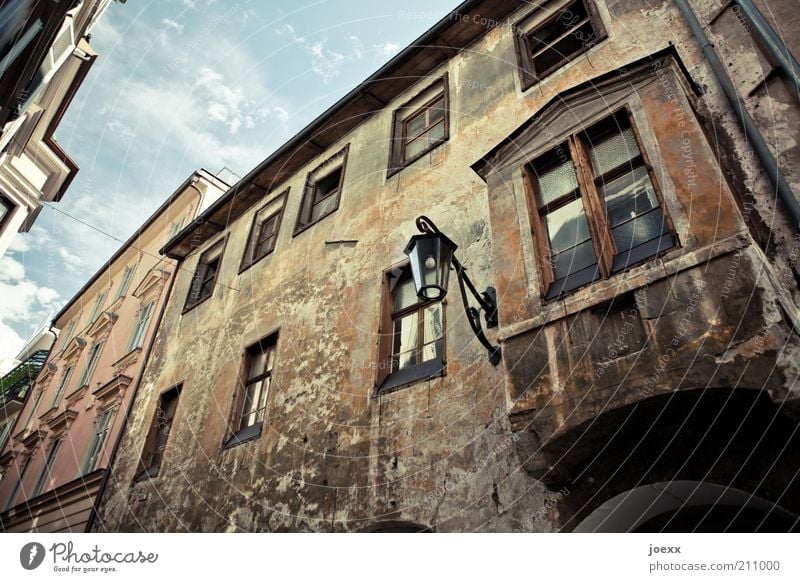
<point x="264" y="231"/>
<point x="552" y="35"/>
<point x="101" y="326"/>
<point x="62" y="421"/>
<point x="420" y="125"/>
<point x="152" y="284"/>
<point x="113" y="391"/>
<point x="73" y="349"/>
<point x="127" y="360"/>
<point x="323" y="191"/>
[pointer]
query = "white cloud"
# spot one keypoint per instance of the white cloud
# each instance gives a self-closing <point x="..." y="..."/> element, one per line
<point x="71" y="261"/>
<point x="120" y="129"/>
<point x="190" y="3"/>
<point x="174" y="25"/>
<point x="24" y="303"/>
<point x="386" y="50"/>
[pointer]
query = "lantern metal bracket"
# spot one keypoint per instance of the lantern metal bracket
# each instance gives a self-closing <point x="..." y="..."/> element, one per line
<point x="486" y="300"/>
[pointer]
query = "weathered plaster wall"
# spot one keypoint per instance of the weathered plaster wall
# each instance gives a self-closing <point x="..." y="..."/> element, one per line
<point x="442" y="453"/>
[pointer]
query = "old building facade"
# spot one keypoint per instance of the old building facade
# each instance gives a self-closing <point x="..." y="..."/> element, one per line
<point x="59" y="448"/>
<point x="44" y="58"/>
<point x="585" y="159"/>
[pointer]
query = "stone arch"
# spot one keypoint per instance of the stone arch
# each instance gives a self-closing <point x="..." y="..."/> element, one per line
<point x="687" y="506"/>
<point x="737" y="439"/>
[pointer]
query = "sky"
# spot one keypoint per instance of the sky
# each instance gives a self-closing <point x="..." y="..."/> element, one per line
<point x="179" y="85"/>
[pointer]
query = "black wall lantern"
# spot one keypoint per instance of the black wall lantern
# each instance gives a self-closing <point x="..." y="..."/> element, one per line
<point x="432" y="255"/>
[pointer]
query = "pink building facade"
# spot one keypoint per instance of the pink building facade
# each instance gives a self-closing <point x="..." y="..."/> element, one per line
<point x="54" y="463"/>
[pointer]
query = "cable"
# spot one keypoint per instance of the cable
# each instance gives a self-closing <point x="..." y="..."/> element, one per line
<point x="119" y="240"/>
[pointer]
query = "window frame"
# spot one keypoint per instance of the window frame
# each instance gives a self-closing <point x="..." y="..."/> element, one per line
<point x="99" y="440"/>
<point x="150" y="470"/>
<point x="386" y="378"/>
<point x="98" y="306"/>
<point x="248" y="258"/>
<point x="221" y="243"/>
<point x="397" y="151"/>
<point x="140" y="328"/>
<point x="47" y="467"/>
<point x="91" y="363"/>
<point x="125" y="283"/>
<point x="238" y="434"/>
<point x="522" y="39"/>
<point x="603" y="244"/>
<point x="303" y="223"/>
<point x="63" y="383"/>
<point x="19" y="483"/>
<point x="11" y="208"/>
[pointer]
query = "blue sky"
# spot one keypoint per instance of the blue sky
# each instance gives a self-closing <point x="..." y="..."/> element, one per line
<point x="183" y="84"/>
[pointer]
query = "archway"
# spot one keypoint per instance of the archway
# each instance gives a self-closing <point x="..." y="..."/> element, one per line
<point x="680" y="506"/>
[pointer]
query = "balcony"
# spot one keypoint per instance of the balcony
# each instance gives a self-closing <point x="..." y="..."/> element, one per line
<point x="14" y="386"/>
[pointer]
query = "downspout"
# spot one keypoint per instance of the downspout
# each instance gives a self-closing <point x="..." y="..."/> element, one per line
<point x="752" y="134"/>
<point x="113" y="457"/>
<point x="774" y="45"/>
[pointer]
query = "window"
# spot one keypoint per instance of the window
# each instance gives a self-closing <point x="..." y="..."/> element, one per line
<point x="251" y="404"/>
<point x="126" y="282"/>
<point x="600" y="219"/>
<point x="264" y="231"/>
<point x="5" y="429"/>
<point x="159" y="434"/>
<point x="102" y="427"/>
<point x="48" y="465"/>
<point x="419" y="125"/>
<point x="35" y="405"/>
<point x="96" y="310"/>
<point x="62" y="386"/>
<point x="554" y="34"/>
<point x="412" y="347"/>
<point x="141" y="326"/>
<point x="18" y="484"/>
<point x="68" y="334"/>
<point x="6" y="210"/>
<point x="205" y="276"/>
<point x="176" y="227"/>
<point x="322" y="191"/>
<point x="94" y="355"/>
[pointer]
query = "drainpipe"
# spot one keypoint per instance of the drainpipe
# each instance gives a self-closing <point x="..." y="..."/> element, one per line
<point x="774" y="45"/>
<point x="752" y="134"/>
<point x="107" y="475"/>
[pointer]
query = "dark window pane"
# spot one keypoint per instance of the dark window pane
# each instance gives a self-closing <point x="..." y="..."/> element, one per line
<point x="567" y="226"/>
<point x="574" y="259"/>
<point x="556" y="181"/>
<point x="573" y="43"/>
<point x="640" y="230"/>
<point x="567" y="18"/>
<point x="326" y="185"/>
<point x="629" y="196"/>
<point x="610" y="151"/>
